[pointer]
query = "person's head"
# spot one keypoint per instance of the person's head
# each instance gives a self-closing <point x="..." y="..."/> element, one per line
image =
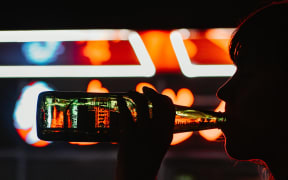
<point x="256" y="96"/>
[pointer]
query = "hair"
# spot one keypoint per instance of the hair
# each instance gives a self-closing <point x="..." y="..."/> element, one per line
<point x="262" y="34"/>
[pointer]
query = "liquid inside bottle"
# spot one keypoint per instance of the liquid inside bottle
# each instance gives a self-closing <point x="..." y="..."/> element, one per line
<point x="94" y="117"/>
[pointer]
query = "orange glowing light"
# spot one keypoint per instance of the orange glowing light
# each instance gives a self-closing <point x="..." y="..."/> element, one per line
<point x="139" y="86"/>
<point x="23" y="132"/>
<point x="220" y="107"/>
<point x="184" y="96"/>
<point x="213" y="134"/>
<point x="58" y="119"/>
<point x="96" y="86"/>
<point x="159" y="47"/>
<point x="40" y="143"/>
<point x="221" y="38"/>
<point x="180" y="137"/>
<point x="97" y="51"/>
<point x="83" y="143"/>
<point x="102" y="117"/>
<point x="69" y="119"/>
<point x="191" y="48"/>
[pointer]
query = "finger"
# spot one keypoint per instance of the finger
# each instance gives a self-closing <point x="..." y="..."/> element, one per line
<point x="141" y="107"/>
<point x="159" y="101"/>
<point x="149" y="91"/>
<point x="163" y="106"/>
<point x="126" y="118"/>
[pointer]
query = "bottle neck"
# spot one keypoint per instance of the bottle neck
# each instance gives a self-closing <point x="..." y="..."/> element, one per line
<point x="191" y="119"/>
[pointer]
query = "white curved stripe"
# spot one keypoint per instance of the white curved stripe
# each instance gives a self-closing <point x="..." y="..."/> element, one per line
<point x="192" y="70"/>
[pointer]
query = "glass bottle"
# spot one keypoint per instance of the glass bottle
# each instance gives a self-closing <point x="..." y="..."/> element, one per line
<point x="94" y="117"/>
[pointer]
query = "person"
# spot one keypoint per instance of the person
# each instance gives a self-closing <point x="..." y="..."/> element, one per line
<point x="256" y="101"/>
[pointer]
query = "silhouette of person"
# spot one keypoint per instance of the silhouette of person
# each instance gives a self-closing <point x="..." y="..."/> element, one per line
<point x="256" y="101"/>
<point x="256" y="95"/>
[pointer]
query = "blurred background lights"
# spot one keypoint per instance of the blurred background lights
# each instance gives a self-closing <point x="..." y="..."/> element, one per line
<point x="97" y="51"/>
<point x="42" y="53"/>
<point x="25" y="112"/>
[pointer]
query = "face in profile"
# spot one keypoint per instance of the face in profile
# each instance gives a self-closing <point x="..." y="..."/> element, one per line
<point x="256" y="95"/>
<point x="254" y="108"/>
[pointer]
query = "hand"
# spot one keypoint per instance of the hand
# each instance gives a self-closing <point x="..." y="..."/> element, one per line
<point x="144" y="143"/>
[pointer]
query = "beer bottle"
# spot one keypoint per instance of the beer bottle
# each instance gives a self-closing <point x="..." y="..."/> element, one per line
<point x="94" y="117"/>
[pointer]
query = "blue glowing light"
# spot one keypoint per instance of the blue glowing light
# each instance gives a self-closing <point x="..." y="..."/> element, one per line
<point x="42" y="53"/>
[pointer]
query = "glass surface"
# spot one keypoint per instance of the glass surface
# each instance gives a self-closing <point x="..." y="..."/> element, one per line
<point x="81" y="116"/>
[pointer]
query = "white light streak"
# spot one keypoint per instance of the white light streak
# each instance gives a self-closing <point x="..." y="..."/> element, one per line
<point x="63" y="35"/>
<point x="145" y="68"/>
<point x="192" y="70"/>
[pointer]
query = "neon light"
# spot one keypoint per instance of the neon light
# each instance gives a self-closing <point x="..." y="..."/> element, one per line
<point x="72" y="71"/>
<point x="145" y="69"/>
<point x="63" y="35"/>
<point x="143" y="56"/>
<point x="160" y="50"/>
<point x="192" y="70"/>
<point x="24" y="113"/>
<point x="42" y="53"/>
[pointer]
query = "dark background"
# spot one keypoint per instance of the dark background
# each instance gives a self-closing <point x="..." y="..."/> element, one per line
<point x="132" y="15"/>
<point x="195" y="159"/>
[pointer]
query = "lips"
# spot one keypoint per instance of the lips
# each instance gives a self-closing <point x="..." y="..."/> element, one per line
<point x="227" y="126"/>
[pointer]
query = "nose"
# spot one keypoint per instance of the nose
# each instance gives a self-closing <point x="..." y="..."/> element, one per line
<point x="225" y="92"/>
<point x="220" y="94"/>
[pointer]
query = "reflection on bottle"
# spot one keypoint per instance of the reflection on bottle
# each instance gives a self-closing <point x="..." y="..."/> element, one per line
<point x="79" y="116"/>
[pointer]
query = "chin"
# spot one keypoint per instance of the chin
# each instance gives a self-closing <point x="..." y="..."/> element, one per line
<point x="239" y="151"/>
